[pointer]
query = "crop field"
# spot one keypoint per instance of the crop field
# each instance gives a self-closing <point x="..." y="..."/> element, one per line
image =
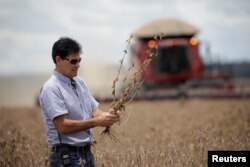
<point x="151" y="134"/>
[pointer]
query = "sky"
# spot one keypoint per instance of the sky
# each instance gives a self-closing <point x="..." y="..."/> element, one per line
<point x="29" y="28"/>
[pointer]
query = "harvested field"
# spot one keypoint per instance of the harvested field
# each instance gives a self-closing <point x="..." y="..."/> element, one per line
<point x="152" y="134"/>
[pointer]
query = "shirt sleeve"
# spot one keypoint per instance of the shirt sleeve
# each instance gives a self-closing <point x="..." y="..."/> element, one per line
<point x="53" y="102"/>
<point x="94" y="103"/>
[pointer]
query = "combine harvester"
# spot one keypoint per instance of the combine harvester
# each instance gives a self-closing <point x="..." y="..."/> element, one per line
<point x="178" y="69"/>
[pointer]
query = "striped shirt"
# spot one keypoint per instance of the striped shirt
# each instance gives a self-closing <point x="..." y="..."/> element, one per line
<point x="59" y="97"/>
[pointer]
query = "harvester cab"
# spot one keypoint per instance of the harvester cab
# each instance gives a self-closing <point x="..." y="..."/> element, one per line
<point x="177" y="56"/>
<point x="177" y="59"/>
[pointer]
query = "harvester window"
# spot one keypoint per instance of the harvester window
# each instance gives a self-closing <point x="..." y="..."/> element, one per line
<point x="172" y="60"/>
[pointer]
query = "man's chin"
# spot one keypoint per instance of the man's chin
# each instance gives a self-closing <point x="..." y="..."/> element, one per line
<point x="74" y="74"/>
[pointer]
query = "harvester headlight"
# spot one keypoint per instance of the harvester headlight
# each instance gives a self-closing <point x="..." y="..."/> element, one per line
<point x="151" y="44"/>
<point x="193" y="41"/>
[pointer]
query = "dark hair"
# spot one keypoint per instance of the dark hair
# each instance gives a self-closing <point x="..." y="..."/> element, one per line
<point x="64" y="47"/>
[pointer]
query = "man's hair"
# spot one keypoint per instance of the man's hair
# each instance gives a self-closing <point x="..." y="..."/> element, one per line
<point x="64" y="47"/>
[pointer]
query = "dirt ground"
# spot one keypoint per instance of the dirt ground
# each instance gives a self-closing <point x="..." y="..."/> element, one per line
<point x="152" y="133"/>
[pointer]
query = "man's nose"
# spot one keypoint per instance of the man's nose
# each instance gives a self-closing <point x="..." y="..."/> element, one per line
<point x="77" y="64"/>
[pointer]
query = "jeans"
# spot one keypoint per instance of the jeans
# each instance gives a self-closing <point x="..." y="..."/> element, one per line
<point x="77" y="159"/>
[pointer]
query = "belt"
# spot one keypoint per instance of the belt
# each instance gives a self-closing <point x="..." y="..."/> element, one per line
<point x="59" y="147"/>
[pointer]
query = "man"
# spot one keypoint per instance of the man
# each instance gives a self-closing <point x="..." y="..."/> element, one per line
<point x="69" y="110"/>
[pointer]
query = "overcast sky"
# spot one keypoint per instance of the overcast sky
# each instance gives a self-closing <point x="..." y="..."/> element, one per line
<point x="28" y="28"/>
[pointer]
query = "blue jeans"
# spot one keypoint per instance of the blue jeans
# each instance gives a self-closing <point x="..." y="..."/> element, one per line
<point x="77" y="159"/>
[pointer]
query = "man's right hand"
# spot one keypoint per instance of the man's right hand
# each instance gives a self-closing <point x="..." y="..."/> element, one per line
<point x="107" y="119"/>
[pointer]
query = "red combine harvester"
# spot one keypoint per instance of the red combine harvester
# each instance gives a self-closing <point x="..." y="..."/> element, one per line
<point x="178" y="62"/>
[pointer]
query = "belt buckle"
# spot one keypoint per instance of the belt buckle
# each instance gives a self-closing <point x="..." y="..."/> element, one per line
<point x="87" y="147"/>
<point x="79" y="149"/>
<point x="82" y="149"/>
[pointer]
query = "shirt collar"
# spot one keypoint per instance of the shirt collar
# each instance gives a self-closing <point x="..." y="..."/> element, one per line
<point x="62" y="77"/>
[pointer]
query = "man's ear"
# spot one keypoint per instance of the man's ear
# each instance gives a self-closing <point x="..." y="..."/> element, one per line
<point x="58" y="59"/>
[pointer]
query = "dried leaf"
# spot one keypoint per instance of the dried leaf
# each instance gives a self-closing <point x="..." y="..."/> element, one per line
<point x="132" y="88"/>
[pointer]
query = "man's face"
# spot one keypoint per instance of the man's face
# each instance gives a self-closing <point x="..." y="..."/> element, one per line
<point x="69" y="65"/>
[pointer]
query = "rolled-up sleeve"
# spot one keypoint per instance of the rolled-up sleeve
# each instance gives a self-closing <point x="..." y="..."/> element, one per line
<point x="53" y="102"/>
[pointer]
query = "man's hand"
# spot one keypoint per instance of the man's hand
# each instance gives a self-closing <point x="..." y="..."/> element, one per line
<point x="118" y="113"/>
<point x="107" y="119"/>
